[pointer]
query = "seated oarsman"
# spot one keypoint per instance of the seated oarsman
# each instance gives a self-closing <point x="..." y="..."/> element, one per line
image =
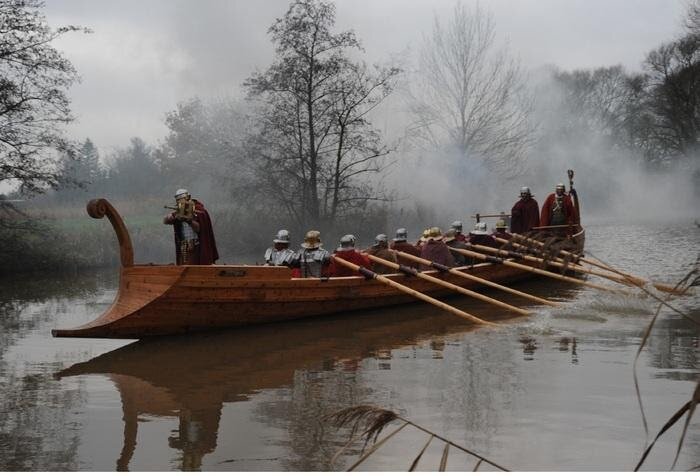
<point x="423" y="238"/>
<point x="400" y="243"/>
<point x="458" y="227"/>
<point x="347" y="251"/>
<point x="451" y="241"/>
<point x="312" y="260"/>
<point x="279" y="253"/>
<point x="380" y="249"/>
<point x="481" y="236"/>
<point x="435" y="250"/>
<point x="194" y="235"/>
<point x="501" y="232"/>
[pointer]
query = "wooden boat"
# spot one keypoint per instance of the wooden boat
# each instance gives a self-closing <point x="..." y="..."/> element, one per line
<point x="167" y="299"/>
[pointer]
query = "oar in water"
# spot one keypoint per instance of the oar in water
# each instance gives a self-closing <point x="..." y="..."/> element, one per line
<point x="497" y="260"/>
<point x="558" y="264"/>
<point x="369" y="274"/>
<point x="631" y="279"/>
<point x="453" y="287"/>
<point x="485" y="282"/>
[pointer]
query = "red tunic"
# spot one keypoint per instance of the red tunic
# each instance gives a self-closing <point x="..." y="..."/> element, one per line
<point x="335" y="269"/>
<point x="547" y="206"/>
<point x="407" y="248"/>
<point x="483" y="240"/>
<point x="524" y="216"/>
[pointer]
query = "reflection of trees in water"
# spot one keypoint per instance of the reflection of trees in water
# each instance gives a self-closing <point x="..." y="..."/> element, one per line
<point x="314" y="394"/>
<point x="462" y="399"/>
<point x="35" y="421"/>
<point x="35" y="409"/>
<point x="673" y="348"/>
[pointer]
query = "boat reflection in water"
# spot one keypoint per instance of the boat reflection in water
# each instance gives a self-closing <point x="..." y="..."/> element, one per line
<point x="191" y="377"/>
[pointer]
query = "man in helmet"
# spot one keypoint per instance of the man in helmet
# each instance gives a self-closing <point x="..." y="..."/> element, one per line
<point x="194" y="235"/>
<point x="457" y="227"/>
<point x="525" y="214"/>
<point x="347" y="251"/>
<point x="501" y="230"/>
<point x="279" y="253"/>
<point x="557" y="209"/>
<point x="435" y="250"/>
<point x="380" y="249"/>
<point x="480" y="236"/>
<point x="451" y="241"/>
<point x="312" y="260"/>
<point x="400" y="243"/>
<point x="423" y="238"/>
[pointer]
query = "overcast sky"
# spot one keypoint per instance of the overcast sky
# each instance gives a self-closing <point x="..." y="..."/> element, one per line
<point x="147" y="55"/>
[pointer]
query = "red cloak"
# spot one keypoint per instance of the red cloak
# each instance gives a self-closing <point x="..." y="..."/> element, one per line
<point x="208" y="254"/>
<point x="524" y="216"/>
<point x="569" y="210"/>
<point x="437" y="252"/>
<point x="335" y="269"/>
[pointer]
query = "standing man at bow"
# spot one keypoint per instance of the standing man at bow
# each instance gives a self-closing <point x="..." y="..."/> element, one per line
<point x="194" y="235"/>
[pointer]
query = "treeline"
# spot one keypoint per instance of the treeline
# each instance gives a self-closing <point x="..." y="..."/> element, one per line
<point x="301" y="149"/>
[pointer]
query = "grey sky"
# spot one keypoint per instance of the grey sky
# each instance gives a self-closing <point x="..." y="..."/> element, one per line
<point x="145" y="56"/>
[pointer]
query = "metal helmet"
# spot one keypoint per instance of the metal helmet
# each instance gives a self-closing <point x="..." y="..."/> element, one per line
<point x="500" y="224"/>
<point x="282" y="237"/>
<point x="401" y="234"/>
<point x="481" y="226"/>
<point x="312" y="239"/>
<point x="560" y="188"/>
<point x="450" y="235"/>
<point x="457" y="225"/>
<point x="181" y="192"/>
<point x="525" y="191"/>
<point x="435" y="233"/>
<point x="347" y="242"/>
<point x="381" y="239"/>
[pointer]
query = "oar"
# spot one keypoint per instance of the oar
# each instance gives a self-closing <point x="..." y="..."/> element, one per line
<point x="485" y="282"/>
<point x="572" y="266"/>
<point x="497" y="260"/>
<point x="369" y="274"/>
<point x="453" y="287"/>
<point x="635" y="280"/>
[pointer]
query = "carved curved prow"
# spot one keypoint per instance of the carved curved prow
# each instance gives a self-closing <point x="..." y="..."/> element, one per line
<point x="98" y="208"/>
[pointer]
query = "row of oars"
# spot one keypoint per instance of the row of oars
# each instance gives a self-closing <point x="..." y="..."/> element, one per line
<point x="502" y="257"/>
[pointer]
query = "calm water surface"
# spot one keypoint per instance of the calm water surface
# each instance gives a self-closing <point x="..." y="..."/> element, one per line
<point x="553" y="391"/>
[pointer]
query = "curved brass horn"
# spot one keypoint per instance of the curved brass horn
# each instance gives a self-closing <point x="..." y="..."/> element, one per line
<point x="98" y="208"/>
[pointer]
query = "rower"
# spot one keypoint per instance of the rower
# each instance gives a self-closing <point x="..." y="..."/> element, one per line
<point x="451" y="241"/>
<point x="400" y="243"/>
<point x="457" y="226"/>
<point x="501" y="230"/>
<point x="347" y="251"/>
<point x="436" y="250"/>
<point x="480" y="236"/>
<point x="380" y="249"/>
<point x="311" y="261"/>
<point x="279" y="253"/>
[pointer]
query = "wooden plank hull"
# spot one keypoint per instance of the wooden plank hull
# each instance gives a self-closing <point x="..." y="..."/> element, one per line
<point x="165" y="299"/>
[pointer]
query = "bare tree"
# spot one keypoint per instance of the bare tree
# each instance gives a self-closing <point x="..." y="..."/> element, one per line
<point x="34" y="78"/>
<point x="315" y="147"/>
<point x="469" y="94"/>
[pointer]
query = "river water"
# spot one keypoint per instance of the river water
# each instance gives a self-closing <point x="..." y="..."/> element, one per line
<point x="552" y="391"/>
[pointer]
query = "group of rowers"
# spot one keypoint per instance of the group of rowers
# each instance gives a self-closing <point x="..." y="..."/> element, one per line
<point x="312" y="260"/>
